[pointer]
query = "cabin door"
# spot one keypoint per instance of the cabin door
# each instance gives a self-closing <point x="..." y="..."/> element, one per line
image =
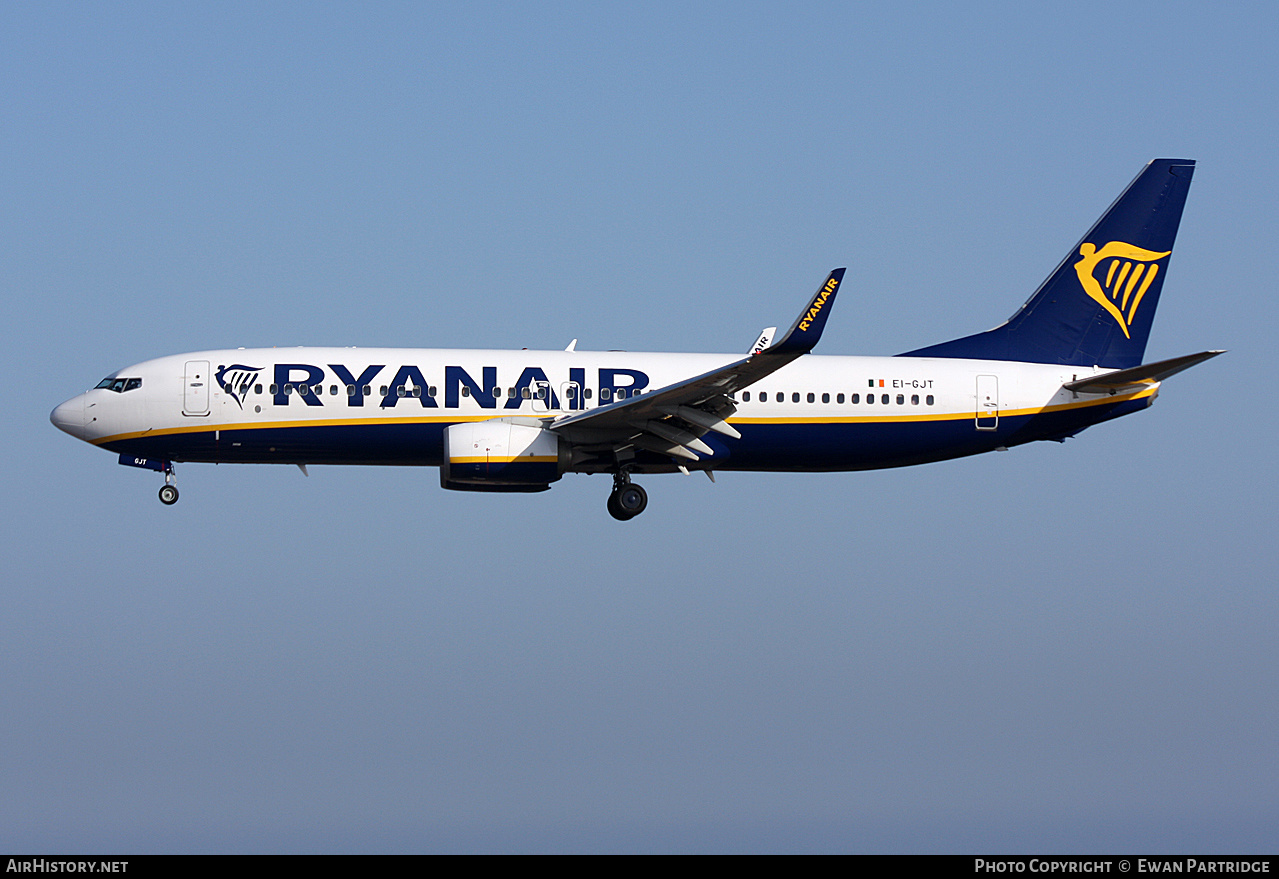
<point x="195" y="394"/>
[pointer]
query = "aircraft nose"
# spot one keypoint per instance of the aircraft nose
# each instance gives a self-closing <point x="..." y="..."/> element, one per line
<point x="69" y="417"/>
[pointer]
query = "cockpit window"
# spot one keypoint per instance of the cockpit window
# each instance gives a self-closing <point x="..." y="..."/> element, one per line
<point x="120" y="385"/>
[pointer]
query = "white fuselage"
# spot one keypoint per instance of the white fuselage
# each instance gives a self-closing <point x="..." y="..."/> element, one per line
<point x="390" y="405"/>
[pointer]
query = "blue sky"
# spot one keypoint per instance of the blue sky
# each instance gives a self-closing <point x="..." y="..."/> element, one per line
<point x="1065" y="648"/>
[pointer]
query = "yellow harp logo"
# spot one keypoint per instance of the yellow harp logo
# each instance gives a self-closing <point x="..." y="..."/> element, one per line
<point x="1129" y="272"/>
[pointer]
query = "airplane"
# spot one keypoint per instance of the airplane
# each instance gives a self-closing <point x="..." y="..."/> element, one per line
<point x="517" y="421"/>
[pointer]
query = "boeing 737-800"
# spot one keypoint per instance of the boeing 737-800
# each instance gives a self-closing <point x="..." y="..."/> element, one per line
<point x="517" y="421"/>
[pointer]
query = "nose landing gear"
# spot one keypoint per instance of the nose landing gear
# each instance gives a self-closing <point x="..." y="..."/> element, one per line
<point x="169" y="491"/>
<point x="627" y="500"/>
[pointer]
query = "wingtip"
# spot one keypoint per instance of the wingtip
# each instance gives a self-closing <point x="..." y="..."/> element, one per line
<point x="807" y="329"/>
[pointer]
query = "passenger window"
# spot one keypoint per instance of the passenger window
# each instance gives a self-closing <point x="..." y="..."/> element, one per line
<point x="350" y="390"/>
<point x="855" y="398"/>
<point x="417" y="390"/>
<point x="275" y="389"/>
<point x="399" y="390"/>
<point x="746" y="396"/>
<point x="870" y="398"/>
<point x="257" y="389"/>
<point x="929" y="399"/>
<point x="385" y="389"/>
<point x="781" y="398"/>
<point x="368" y="390"/>
<point x="588" y="393"/>
<point x="526" y="394"/>
<point x="430" y="391"/>
<point x="466" y="392"/>
<point x="901" y="399"/>
<point x="914" y="399"/>
<point x="825" y="398"/>
<point x="884" y="399"/>
<point x="839" y="398"/>
<point x="621" y="393"/>
<point x="605" y="395"/>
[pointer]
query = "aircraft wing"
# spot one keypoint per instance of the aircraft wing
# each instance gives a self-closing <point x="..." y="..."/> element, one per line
<point x="1134" y="379"/>
<point x="670" y="420"/>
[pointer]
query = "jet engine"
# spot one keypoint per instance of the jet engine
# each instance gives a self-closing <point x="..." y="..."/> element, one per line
<point x="501" y="455"/>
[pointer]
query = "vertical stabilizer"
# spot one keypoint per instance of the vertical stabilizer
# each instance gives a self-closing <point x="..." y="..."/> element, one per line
<point x="1097" y="307"/>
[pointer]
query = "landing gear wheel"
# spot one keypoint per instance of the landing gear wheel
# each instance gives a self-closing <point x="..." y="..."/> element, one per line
<point x="627" y="501"/>
<point x="614" y="510"/>
<point x="169" y="495"/>
<point x="632" y="500"/>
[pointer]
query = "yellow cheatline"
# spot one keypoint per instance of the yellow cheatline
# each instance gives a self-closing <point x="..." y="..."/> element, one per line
<point x="457" y="419"/>
<point x="943" y="416"/>
<point x="284" y="425"/>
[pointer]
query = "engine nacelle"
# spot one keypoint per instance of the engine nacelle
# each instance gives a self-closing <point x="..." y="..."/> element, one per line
<point x="502" y="456"/>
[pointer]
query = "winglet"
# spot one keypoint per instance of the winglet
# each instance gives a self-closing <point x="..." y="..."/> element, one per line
<point x="765" y="339"/>
<point x="807" y="329"/>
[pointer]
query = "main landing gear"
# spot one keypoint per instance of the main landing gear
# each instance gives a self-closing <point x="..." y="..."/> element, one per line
<point x="627" y="500"/>
<point x="169" y="491"/>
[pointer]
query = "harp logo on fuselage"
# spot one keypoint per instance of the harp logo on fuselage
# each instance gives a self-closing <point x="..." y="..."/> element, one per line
<point x="237" y="379"/>
<point x="1117" y="276"/>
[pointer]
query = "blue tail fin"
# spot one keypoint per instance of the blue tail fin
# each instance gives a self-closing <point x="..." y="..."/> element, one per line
<point x="1096" y="308"/>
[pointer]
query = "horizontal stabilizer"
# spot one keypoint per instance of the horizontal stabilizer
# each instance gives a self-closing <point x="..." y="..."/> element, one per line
<point x="1125" y="380"/>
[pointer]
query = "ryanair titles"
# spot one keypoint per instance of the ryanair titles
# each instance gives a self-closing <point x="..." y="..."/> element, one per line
<point x="816" y="308"/>
<point x="337" y="384"/>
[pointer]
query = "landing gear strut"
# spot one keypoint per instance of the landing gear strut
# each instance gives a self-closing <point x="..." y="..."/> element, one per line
<point x="627" y="500"/>
<point x="169" y="491"/>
